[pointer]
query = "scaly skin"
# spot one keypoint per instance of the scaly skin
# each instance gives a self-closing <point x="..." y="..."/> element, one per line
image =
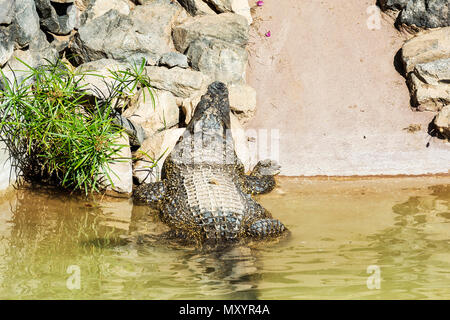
<point x="204" y="193"/>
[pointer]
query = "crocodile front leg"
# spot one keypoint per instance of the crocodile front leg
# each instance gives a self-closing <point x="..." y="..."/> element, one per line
<point x="261" y="179"/>
<point x="149" y="193"/>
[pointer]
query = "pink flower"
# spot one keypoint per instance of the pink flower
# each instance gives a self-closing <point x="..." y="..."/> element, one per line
<point x="259" y="3"/>
<point x="268" y="34"/>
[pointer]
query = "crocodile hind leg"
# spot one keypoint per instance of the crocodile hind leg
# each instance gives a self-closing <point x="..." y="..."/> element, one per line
<point x="261" y="179"/>
<point x="265" y="228"/>
<point x="149" y="193"/>
<point x="260" y="223"/>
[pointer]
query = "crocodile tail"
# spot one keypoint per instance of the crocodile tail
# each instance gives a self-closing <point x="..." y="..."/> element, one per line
<point x="266" y="228"/>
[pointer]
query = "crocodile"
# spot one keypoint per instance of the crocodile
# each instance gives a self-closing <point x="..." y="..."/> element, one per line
<point x="204" y="193"/>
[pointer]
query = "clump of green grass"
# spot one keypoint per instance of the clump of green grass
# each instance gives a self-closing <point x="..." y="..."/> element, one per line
<point x="58" y="134"/>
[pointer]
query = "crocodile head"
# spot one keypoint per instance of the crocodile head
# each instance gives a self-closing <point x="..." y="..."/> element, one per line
<point x="212" y="114"/>
<point x="208" y="138"/>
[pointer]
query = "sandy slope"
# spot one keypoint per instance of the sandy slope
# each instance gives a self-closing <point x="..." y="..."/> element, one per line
<point x="329" y="85"/>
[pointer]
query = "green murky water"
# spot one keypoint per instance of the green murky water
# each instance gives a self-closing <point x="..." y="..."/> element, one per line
<point x="338" y="229"/>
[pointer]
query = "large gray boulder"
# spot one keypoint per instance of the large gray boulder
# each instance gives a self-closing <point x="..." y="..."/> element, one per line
<point x="228" y="27"/>
<point x="6" y="44"/>
<point x="183" y="83"/>
<point x="174" y="59"/>
<point x="6" y="12"/>
<point x="157" y="146"/>
<point x="218" y="59"/>
<point x="144" y="34"/>
<point x="157" y="116"/>
<point x="393" y="4"/>
<point x="97" y="80"/>
<point x="25" y="36"/>
<point x="434" y="72"/>
<point x="119" y="170"/>
<point x="426" y="46"/>
<point x="26" y="22"/>
<point x="38" y="53"/>
<point x="426" y="59"/>
<point x="419" y="13"/>
<point x="56" y="16"/>
<point x="430" y="84"/>
<point x="426" y="13"/>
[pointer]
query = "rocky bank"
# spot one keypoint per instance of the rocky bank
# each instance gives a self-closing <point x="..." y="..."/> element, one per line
<point x="186" y="46"/>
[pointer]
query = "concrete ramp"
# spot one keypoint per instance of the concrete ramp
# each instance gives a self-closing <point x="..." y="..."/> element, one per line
<point x="328" y="83"/>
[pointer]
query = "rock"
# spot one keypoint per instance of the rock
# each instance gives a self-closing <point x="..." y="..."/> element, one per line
<point x="430" y="84"/>
<point x="98" y="8"/>
<point x="6" y="44"/>
<point x="426" y="60"/>
<point x="392" y="4"/>
<point x="196" y="7"/>
<point x="26" y="22"/>
<point x="220" y="5"/>
<point x="145" y="33"/>
<point x="120" y="170"/>
<point x="242" y="101"/>
<point x="435" y="72"/>
<point x="428" y="97"/>
<point x="134" y="131"/>
<point x="6" y="12"/>
<point x="425" y="47"/>
<point x="174" y="59"/>
<point x="5" y="164"/>
<point x="163" y="115"/>
<point x="218" y="59"/>
<point x="38" y="53"/>
<point x="60" y="42"/>
<point x="228" y="27"/>
<point x="99" y="82"/>
<point x="57" y="17"/>
<point x="442" y="122"/>
<point x="157" y="147"/>
<point x="181" y="82"/>
<point x="426" y="13"/>
<point x="242" y="8"/>
<point x="188" y="107"/>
